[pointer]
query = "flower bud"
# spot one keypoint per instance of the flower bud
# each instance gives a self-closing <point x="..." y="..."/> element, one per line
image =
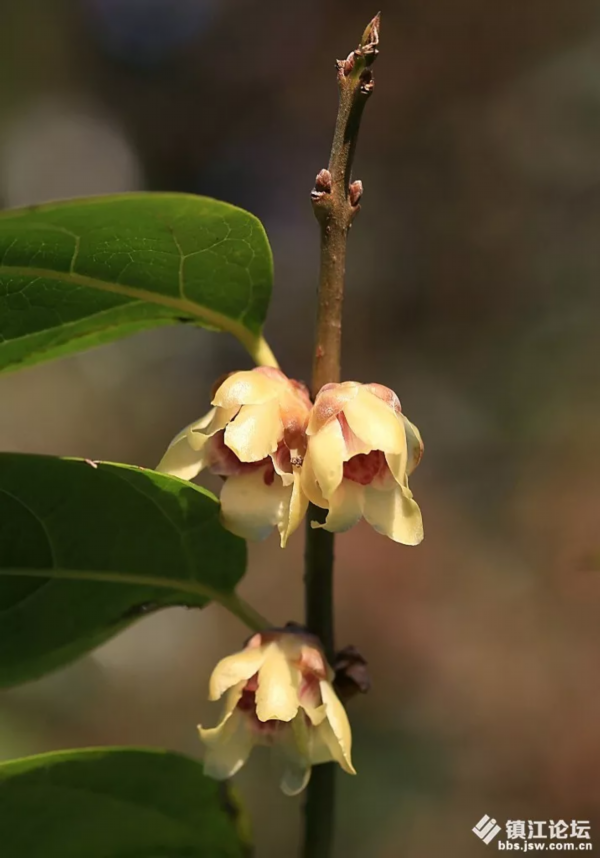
<point x="361" y="450"/>
<point x="254" y="436"/>
<point x="355" y="192"/>
<point x="278" y="693"/>
<point x="323" y="181"/>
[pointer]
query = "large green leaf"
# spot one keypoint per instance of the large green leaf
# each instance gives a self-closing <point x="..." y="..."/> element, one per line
<point x="84" y="272"/>
<point x="115" y="803"/>
<point x="110" y="524"/>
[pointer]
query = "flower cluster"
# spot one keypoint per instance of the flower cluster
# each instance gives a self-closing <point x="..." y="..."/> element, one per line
<point x="350" y="453"/>
<point x="278" y="693"/>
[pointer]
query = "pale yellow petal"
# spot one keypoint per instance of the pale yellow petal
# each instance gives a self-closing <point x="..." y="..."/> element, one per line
<point x="345" y="507"/>
<point x="375" y="422"/>
<point x="325" y="748"/>
<point x="256" y="432"/>
<point x="250" y="508"/>
<point x="234" y="669"/>
<point x="388" y="396"/>
<point x="316" y="714"/>
<point x="233" y="695"/>
<point x="320" y="749"/>
<point x="294" y="513"/>
<point x="310" y="487"/>
<point x="281" y="462"/>
<point x="220" y="417"/>
<point x="327" y="452"/>
<point x="395" y="514"/>
<point x="277" y="693"/>
<point x="228" y="746"/>
<point x="292" y="749"/>
<point x="296" y="777"/>
<point x="330" y="400"/>
<point x="182" y="461"/>
<point x="247" y="388"/>
<point x="414" y="444"/>
<point x="337" y="719"/>
<point x="183" y="458"/>
<point x="398" y="464"/>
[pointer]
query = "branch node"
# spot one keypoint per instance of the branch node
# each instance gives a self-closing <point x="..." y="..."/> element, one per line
<point x="346" y="66"/>
<point x="367" y="82"/>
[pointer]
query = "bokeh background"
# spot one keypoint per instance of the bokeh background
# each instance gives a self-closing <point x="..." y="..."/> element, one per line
<point x="473" y="291"/>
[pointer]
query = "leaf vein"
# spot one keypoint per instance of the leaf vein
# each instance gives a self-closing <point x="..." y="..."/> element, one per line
<point x="37" y="518"/>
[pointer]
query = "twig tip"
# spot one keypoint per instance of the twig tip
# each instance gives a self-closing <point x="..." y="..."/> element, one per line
<point x="370" y="37"/>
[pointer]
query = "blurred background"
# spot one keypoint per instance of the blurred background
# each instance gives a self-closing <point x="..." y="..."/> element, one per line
<point x="472" y="291"/>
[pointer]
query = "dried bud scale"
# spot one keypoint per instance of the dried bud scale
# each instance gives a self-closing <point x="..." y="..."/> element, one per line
<point x="351" y="673"/>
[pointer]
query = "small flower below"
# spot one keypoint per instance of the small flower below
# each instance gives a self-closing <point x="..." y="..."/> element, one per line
<point x="361" y="450"/>
<point x="254" y="437"/>
<point x="278" y="693"/>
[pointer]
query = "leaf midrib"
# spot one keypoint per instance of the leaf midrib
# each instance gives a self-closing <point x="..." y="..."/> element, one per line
<point x="227" y="598"/>
<point x="180" y="305"/>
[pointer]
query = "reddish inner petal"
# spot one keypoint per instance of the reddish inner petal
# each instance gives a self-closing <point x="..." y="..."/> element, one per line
<point x="283" y="458"/>
<point x="364" y="467"/>
<point x="312" y="662"/>
<point x="351" y="440"/>
<point x="310" y="691"/>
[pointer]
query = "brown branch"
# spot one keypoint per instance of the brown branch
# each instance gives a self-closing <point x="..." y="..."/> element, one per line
<point x="336" y="202"/>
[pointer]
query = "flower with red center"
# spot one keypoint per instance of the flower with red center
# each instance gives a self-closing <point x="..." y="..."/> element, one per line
<point x="254" y="436"/>
<point x="278" y="693"/>
<point x="361" y="450"/>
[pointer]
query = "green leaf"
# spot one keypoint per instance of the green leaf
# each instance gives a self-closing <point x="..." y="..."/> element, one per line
<point x="139" y="540"/>
<point x="115" y="803"/>
<point x="85" y="272"/>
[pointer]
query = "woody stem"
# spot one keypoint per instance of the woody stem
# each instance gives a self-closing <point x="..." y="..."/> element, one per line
<point x="335" y="203"/>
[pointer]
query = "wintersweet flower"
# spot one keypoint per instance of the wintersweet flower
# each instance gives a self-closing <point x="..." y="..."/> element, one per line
<point x="254" y="436"/>
<point x="278" y="693"/>
<point x="361" y="450"/>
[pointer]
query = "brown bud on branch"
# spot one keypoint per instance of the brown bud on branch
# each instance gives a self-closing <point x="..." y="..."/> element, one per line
<point x="322" y="186"/>
<point x="356" y="192"/>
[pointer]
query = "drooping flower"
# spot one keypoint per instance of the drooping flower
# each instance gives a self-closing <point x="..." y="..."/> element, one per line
<point x="361" y="450"/>
<point x="278" y="693"/>
<point x="254" y="436"/>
